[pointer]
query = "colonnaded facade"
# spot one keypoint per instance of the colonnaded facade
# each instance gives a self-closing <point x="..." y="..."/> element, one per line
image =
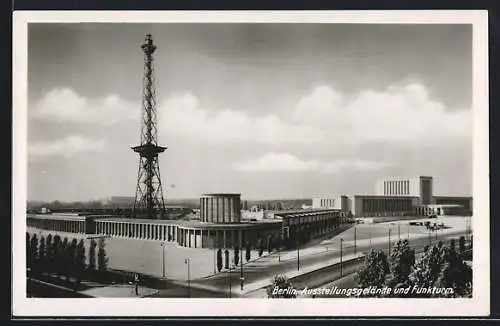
<point x="220" y="225"/>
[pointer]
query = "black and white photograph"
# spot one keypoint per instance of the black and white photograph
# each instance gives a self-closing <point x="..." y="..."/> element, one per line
<point x="209" y="164"/>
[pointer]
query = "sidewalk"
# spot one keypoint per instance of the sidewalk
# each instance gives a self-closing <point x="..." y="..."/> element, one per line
<point x="267" y="281"/>
<point x="119" y="291"/>
<point x="254" y="286"/>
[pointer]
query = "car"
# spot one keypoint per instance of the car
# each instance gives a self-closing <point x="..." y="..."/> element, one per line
<point x="432" y="216"/>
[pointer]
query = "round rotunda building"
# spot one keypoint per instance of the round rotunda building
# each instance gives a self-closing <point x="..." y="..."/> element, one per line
<point x="220" y="208"/>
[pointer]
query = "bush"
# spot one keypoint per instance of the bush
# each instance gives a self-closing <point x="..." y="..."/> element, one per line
<point x="236" y="255"/>
<point x="92" y="261"/>
<point x="219" y="259"/>
<point x="226" y="258"/>
<point x="102" y="259"/>
<point x="248" y="253"/>
<point x="281" y="282"/>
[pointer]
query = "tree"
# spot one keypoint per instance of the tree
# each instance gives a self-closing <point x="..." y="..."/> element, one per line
<point x="102" y="259"/>
<point x="219" y="259"/>
<point x="261" y="247"/>
<point x="92" y="263"/>
<point x="72" y="258"/>
<point x="455" y="273"/>
<point x="65" y="268"/>
<point x="374" y="270"/>
<point x="401" y="263"/>
<point x="34" y="253"/>
<point x="49" y="253"/>
<point x="282" y="287"/>
<point x="58" y="254"/>
<point x="80" y="261"/>
<point x="41" y="255"/>
<point x="236" y="255"/>
<point x="29" y="263"/>
<point x="427" y="269"/>
<point x="226" y="258"/>
<point x="461" y="244"/>
<point x="270" y="243"/>
<point x="248" y="252"/>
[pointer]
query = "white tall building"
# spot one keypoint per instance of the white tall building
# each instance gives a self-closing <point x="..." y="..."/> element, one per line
<point x="419" y="186"/>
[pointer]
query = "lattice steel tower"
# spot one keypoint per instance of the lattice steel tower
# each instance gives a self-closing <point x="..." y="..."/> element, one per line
<point x="149" y="194"/>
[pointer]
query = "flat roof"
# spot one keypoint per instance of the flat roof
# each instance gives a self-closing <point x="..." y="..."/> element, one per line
<point x="444" y="206"/>
<point x="61" y="217"/>
<point x="452" y="197"/>
<point x="193" y="223"/>
<point x="385" y="197"/>
<point x="307" y="212"/>
<point x="221" y="195"/>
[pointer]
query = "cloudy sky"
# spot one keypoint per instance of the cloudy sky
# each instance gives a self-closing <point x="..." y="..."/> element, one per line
<point x="267" y="110"/>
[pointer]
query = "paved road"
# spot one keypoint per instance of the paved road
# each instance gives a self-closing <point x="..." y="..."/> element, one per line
<point x="265" y="268"/>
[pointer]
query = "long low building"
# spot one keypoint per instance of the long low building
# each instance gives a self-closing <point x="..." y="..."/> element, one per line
<point x="83" y="223"/>
<point x="398" y="196"/>
<point x="195" y="233"/>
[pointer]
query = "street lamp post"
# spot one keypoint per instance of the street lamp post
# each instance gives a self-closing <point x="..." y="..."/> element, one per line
<point x="241" y="265"/>
<point x="399" y="232"/>
<point x="355" y="246"/>
<point x="230" y="285"/>
<point x="389" y="242"/>
<point x="297" y="235"/>
<point x="187" y="261"/>
<point x="163" y="258"/>
<point x="370" y="234"/>
<point x="341" y="241"/>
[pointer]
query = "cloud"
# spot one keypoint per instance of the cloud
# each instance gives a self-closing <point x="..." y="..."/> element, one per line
<point x="66" y="106"/>
<point x="65" y="147"/>
<point x="401" y="113"/>
<point x="285" y="162"/>
<point x="325" y="116"/>
<point x="182" y="115"/>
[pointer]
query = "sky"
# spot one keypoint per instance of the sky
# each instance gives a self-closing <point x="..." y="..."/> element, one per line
<point x="266" y="110"/>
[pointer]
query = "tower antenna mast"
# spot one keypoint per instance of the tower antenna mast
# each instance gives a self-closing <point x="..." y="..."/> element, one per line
<point x="149" y="193"/>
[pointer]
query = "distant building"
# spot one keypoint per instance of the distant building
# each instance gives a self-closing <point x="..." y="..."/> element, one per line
<point x="341" y="202"/>
<point x="419" y="186"/>
<point x="398" y="196"/>
<point x="379" y="205"/>
<point x="119" y="201"/>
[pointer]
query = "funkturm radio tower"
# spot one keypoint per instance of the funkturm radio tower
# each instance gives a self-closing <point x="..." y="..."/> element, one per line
<point x="149" y="194"/>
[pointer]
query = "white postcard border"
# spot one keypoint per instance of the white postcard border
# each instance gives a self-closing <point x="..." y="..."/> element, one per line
<point x="479" y="305"/>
